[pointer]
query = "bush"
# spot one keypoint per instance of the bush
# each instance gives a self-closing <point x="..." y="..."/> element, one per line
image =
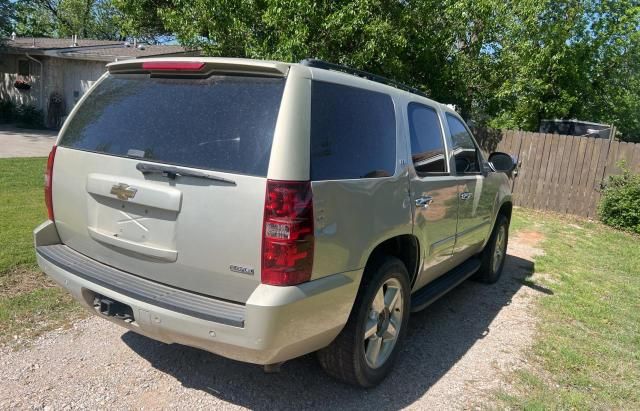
<point x="620" y="203"/>
<point x="7" y="111"/>
<point x="28" y="116"/>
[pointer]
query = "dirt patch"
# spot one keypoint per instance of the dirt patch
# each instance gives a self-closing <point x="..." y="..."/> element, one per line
<point x="32" y="304"/>
<point x="458" y="353"/>
<point x="23" y="280"/>
<point x="528" y="239"/>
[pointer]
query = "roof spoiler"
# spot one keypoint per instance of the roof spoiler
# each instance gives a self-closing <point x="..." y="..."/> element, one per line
<point x="199" y="66"/>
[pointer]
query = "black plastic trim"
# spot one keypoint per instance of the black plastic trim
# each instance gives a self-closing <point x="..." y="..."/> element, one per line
<point x="160" y="295"/>
<point x="427" y="295"/>
<point x="360" y="73"/>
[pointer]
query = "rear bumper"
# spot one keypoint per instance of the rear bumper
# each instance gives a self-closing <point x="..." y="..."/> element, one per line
<point x="275" y="324"/>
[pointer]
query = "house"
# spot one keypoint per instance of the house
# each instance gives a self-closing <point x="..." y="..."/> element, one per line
<point x="54" y="73"/>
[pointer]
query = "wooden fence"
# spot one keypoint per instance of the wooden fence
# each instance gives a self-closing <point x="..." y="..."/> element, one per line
<point x="561" y="173"/>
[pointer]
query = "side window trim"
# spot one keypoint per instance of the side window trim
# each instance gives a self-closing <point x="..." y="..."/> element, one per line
<point x="443" y="136"/>
<point x="479" y="157"/>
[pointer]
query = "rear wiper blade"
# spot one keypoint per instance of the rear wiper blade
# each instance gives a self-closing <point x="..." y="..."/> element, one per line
<point x="172" y="172"/>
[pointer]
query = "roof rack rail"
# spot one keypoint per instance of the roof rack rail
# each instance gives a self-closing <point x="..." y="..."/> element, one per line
<point x="360" y="73"/>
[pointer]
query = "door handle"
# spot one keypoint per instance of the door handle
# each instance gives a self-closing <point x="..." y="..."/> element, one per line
<point x="465" y="195"/>
<point x="424" y="201"/>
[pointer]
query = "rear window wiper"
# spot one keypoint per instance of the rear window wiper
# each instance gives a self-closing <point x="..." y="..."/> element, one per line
<point x="172" y="172"/>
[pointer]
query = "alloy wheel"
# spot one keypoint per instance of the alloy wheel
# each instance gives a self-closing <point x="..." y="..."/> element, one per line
<point x="499" y="249"/>
<point x="382" y="326"/>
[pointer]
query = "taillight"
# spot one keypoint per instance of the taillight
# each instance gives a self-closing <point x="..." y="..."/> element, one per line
<point x="287" y="233"/>
<point x="48" y="183"/>
<point x="173" y="65"/>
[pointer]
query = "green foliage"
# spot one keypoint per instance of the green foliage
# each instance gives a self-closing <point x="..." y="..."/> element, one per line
<point x="506" y="63"/>
<point x="141" y="19"/>
<point x="7" y="14"/>
<point x="366" y="33"/>
<point x="32" y="20"/>
<point x="95" y="19"/>
<point x="620" y="203"/>
<point x="7" y="111"/>
<point x="577" y="59"/>
<point x="28" y="116"/>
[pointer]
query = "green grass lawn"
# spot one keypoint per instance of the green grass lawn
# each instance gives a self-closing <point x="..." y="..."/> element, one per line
<point x="586" y="354"/>
<point x="21" y="209"/>
<point x="29" y="302"/>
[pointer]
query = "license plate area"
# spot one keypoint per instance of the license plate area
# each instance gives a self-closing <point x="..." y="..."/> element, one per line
<point x="143" y="222"/>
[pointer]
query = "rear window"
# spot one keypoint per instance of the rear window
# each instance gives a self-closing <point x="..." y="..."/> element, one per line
<point x="220" y="123"/>
<point x="353" y="133"/>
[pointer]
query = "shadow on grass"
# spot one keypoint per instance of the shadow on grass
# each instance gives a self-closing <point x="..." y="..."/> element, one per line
<point x="437" y="339"/>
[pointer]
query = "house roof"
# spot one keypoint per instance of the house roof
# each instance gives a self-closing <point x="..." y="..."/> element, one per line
<point x="101" y="50"/>
<point x="122" y="52"/>
<point x="45" y="43"/>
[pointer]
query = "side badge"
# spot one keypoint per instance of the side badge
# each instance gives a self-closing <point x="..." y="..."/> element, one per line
<point x="241" y="270"/>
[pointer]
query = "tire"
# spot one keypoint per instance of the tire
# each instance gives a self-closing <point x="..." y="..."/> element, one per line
<point x="351" y="356"/>
<point x="496" y="248"/>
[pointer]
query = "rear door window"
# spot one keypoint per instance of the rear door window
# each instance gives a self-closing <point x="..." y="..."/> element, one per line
<point x="220" y="123"/>
<point x="427" y="143"/>
<point x="353" y="133"/>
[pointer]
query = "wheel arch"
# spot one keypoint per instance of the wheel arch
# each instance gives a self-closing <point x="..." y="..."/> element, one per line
<point x="405" y="247"/>
<point x="506" y="209"/>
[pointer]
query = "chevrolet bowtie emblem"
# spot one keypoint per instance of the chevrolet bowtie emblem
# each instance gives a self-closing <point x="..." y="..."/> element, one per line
<point x="123" y="191"/>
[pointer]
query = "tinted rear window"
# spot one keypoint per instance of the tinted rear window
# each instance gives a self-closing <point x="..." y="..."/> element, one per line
<point x="219" y="123"/>
<point x="353" y="133"/>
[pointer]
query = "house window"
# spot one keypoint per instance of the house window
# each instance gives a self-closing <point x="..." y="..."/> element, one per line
<point x="23" y="68"/>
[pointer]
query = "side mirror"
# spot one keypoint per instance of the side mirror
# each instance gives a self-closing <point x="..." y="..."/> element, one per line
<point x="503" y="162"/>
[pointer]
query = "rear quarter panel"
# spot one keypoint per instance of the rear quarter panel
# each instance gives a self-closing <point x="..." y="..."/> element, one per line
<point x="353" y="216"/>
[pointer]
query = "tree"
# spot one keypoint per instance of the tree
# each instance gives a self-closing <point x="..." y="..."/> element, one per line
<point x="141" y="19"/>
<point x="508" y="64"/>
<point x="7" y="13"/>
<point x="366" y="33"/>
<point x="97" y="19"/>
<point x="33" y="20"/>
<point x="576" y="59"/>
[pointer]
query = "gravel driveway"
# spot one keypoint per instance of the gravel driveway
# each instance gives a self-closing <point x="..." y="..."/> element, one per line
<point x="458" y="352"/>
